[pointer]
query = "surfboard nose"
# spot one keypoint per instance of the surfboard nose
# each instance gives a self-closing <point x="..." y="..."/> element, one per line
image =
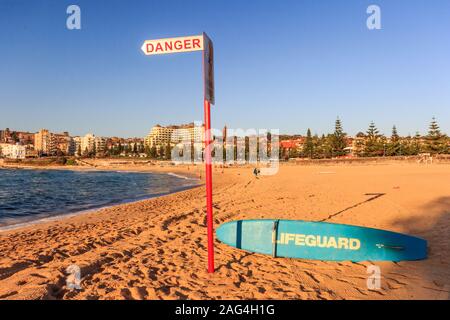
<point x="249" y="235"/>
<point x="230" y="233"/>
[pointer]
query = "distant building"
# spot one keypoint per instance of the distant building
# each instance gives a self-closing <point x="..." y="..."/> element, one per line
<point x="161" y="136"/>
<point x="43" y="142"/>
<point x="13" y="137"/>
<point x="291" y="144"/>
<point x="25" y="138"/>
<point x="63" y="143"/>
<point x="31" y="153"/>
<point x="157" y="136"/>
<point x="48" y="143"/>
<point x="100" y="144"/>
<point x="88" y="144"/>
<point x="12" y="151"/>
<point x="77" y="146"/>
<point x="3" y="135"/>
<point x="351" y="146"/>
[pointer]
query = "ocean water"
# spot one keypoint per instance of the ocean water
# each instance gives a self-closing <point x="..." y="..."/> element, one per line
<point x="27" y="195"/>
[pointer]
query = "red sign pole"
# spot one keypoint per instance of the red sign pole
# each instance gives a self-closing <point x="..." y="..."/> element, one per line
<point x="196" y="43"/>
<point x="208" y="169"/>
<point x="208" y="82"/>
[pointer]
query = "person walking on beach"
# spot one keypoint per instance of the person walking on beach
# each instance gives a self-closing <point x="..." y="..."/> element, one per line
<point x="256" y="172"/>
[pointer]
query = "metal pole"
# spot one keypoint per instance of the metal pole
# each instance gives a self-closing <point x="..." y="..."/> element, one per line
<point x="208" y="169"/>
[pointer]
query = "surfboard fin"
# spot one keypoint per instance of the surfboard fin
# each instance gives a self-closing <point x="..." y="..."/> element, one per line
<point x="393" y="247"/>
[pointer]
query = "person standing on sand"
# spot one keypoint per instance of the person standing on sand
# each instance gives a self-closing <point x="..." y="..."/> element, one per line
<point x="256" y="172"/>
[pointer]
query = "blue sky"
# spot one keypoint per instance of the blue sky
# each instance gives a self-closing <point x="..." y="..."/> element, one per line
<point x="278" y="64"/>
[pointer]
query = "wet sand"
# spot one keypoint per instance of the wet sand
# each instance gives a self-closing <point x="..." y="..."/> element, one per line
<point x="156" y="248"/>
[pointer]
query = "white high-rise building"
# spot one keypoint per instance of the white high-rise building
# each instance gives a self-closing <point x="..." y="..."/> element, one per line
<point x="100" y="144"/>
<point x="12" y="151"/>
<point x="161" y="136"/>
<point x="87" y="143"/>
<point x="77" y="146"/>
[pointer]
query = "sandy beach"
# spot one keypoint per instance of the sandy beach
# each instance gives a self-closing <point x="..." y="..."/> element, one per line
<point x="156" y="248"/>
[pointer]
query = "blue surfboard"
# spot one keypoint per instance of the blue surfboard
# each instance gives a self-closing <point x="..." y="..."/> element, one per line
<point x="320" y="241"/>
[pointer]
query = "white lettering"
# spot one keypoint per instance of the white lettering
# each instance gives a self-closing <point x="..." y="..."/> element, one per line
<point x="374" y="20"/>
<point x="73" y="21"/>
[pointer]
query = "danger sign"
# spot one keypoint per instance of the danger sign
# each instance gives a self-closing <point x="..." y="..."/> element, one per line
<point x="172" y="45"/>
<point x="186" y="44"/>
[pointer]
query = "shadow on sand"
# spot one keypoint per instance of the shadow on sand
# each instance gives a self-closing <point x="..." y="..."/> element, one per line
<point x="433" y="224"/>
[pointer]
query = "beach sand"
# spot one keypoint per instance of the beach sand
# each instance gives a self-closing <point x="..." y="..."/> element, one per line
<point x="156" y="248"/>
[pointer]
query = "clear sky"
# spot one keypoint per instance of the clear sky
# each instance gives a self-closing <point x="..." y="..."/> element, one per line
<point x="278" y="64"/>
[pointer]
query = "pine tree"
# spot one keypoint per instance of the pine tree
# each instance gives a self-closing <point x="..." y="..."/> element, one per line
<point x="338" y="143"/>
<point x="436" y="141"/>
<point x="416" y="146"/>
<point x="94" y="150"/>
<point x="153" y="152"/>
<point x="293" y="153"/>
<point x="327" y="146"/>
<point x="168" y="152"/>
<point x="394" y="146"/>
<point x="308" y="146"/>
<point x="372" y="131"/>
<point x="373" y="145"/>
<point x="319" y="146"/>
<point x="161" y="152"/>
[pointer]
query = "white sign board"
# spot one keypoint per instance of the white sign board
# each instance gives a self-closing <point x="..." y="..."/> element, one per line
<point x="173" y="45"/>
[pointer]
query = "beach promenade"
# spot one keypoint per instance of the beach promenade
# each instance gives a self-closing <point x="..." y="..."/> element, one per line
<point x="156" y="248"/>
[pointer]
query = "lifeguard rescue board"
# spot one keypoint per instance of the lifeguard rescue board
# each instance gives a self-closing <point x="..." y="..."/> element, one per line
<point x="320" y="241"/>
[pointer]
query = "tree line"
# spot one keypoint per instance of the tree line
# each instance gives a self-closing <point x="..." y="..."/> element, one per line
<point x="370" y="144"/>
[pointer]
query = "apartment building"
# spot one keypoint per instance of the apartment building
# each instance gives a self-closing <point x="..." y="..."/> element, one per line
<point x="296" y="144"/>
<point x="88" y="143"/>
<point x="173" y="134"/>
<point x="63" y="143"/>
<point x="77" y="146"/>
<point x="12" y="151"/>
<point x="13" y="137"/>
<point x="43" y="143"/>
<point x="100" y="144"/>
<point x="48" y="143"/>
